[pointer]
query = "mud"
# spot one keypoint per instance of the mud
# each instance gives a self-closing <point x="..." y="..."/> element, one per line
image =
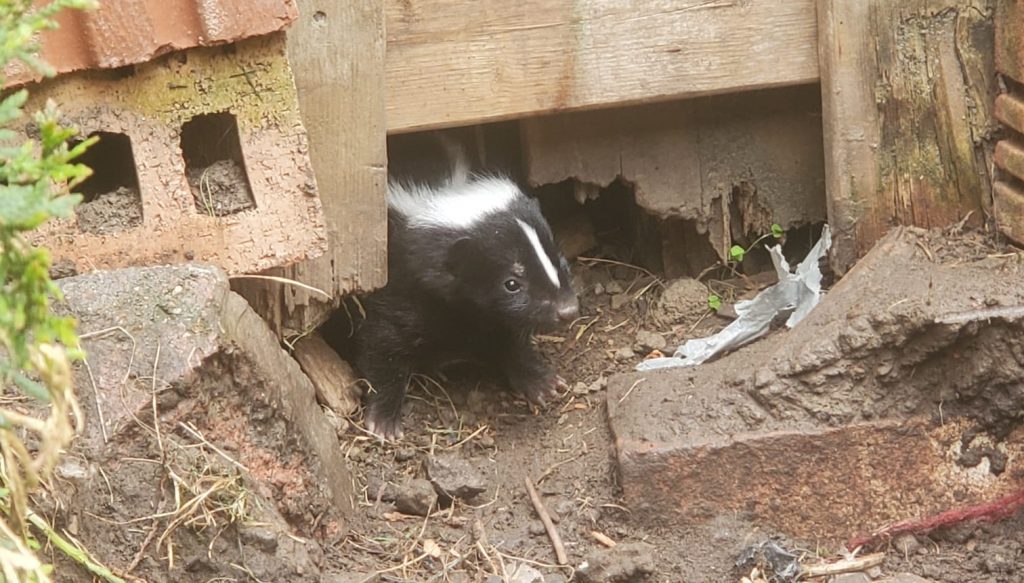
<point x="566" y="449"/>
<point x="111" y="212"/>
<point x="220" y="189"/>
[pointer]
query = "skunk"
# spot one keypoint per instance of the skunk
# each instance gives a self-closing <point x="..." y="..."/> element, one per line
<point x="473" y="271"/>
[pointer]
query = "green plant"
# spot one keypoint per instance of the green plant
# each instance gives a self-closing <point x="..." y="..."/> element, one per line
<point x="36" y="346"/>
<point x="737" y="252"/>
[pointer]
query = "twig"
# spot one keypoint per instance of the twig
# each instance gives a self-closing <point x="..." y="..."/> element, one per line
<point x="284" y="280"/>
<point x="843" y="566"/>
<point x="638" y="381"/>
<point x="556" y="540"/>
<point x="74" y="552"/>
<point x="96" y="396"/>
<point x="195" y="433"/>
<point x="602" y="538"/>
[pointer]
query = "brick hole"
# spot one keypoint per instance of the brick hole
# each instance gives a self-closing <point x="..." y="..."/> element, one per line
<point x="111" y="201"/>
<point x="216" y="171"/>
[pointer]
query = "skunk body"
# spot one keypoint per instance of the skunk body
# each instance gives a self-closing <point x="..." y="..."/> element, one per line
<point x="473" y="271"/>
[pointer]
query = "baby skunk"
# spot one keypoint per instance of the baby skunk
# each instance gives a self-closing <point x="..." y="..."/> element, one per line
<point x="473" y="271"/>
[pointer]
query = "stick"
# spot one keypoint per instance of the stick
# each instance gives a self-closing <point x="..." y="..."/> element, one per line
<point x="549" y="526"/>
<point x="844" y="566"/>
<point x="602" y="538"/>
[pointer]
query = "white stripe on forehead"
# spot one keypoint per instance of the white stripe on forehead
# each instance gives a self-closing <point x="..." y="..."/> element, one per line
<point x="457" y="206"/>
<point x="545" y="261"/>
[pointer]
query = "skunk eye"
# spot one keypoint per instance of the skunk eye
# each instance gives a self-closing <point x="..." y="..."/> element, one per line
<point x="512" y="286"/>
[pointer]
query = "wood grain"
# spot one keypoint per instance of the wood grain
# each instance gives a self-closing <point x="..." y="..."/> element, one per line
<point x="907" y="88"/>
<point x="456" y="63"/>
<point x="336" y="49"/>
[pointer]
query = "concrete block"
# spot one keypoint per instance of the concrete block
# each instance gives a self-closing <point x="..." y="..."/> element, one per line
<point x="202" y="156"/>
<point x="887" y="403"/>
<point x="176" y="338"/>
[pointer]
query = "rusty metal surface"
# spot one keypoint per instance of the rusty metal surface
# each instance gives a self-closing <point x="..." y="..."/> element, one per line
<point x="127" y="32"/>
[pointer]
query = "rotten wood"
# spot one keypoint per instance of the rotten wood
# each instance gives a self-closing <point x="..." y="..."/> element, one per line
<point x="459" y="63"/>
<point x="335" y="381"/>
<point x="336" y="50"/>
<point x="731" y="165"/>
<point x="549" y="526"/>
<point x="907" y="90"/>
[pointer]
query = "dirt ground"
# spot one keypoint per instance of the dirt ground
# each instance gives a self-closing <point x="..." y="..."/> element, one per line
<point x="112" y="212"/>
<point x="220" y="189"/>
<point x="566" y="450"/>
<point x="478" y="443"/>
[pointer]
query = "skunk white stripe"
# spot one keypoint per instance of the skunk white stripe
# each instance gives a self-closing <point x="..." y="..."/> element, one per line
<point x="549" y="268"/>
<point x="456" y="206"/>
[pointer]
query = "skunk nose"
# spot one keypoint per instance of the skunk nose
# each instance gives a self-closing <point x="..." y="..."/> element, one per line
<point x="569" y="310"/>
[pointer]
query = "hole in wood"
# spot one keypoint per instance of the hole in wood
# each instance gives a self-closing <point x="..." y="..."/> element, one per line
<point x="111" y="202"/>
<point x="215" y="166"/>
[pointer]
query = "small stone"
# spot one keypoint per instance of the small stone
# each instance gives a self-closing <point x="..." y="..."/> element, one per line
<point x="906" y="544"/>
<point x="621" y="564"/>
<point x="623" y="354"/>
<point x="536" y="528"/>
<point x="405" y="454"/>
<point x="598" y="289"/>
<point x="648" y="341"/>
<point x="526" y="574"/>
<point x="416" y="497"/>
<point x="454" y="477"/>
<point x="598" y="385"/>
<point x="493" y="579"/>
<point x="613" y="287"/>
<point x="580" y="389"/>
<point x="555" y="578"/>
<point x="262" y="538"/>
<point x="619" y="300"/>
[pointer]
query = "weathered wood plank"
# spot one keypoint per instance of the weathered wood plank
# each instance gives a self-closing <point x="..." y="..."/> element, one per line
<point x="336" y="49"/>
<point x="907" y="90"/>
<point x="456" y="63"/>
<point x="1009" y="42"/>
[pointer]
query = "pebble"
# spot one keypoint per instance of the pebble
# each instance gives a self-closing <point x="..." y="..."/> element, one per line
<point x="598" y="289"/>
<point x="613" y="287"/>
<point x="906" y="544"/>
<point x="405" y="454"/>
<point x="454" y="477"/>
<point x="625" y="353"/>
<point x="619" y="300"/>
<point x="416" y="497"/>
<point x="536" y="528"/>
<point x="648" y="341"/>
<point x="625" y="562"/>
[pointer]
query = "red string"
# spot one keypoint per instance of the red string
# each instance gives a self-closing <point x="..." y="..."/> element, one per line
<point x="990" y="511"/>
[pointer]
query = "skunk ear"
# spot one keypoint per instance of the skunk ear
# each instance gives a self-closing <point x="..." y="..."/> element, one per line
<point x="464" y="257"/>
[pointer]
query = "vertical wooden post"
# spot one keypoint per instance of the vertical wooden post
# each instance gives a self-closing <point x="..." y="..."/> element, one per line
<point x="336" y="49"/>
<point x="907" y="89"/>
<point x="1008" y="190"/>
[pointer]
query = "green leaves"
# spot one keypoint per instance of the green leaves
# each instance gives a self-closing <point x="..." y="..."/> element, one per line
<point x="714" y="302"/>
<point x="777" y="231"/>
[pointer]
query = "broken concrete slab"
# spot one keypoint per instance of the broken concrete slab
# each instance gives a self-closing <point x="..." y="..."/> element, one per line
<point x="895" y="398"/>
<point x="235" y="414"/>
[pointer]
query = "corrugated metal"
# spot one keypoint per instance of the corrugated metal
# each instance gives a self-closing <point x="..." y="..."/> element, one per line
<point x="126" y="32"/>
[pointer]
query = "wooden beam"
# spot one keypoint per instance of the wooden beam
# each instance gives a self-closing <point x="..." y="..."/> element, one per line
<point x="907" y="90"/>
<point x="458" y="63"/>
<point x="336" y="49"/>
